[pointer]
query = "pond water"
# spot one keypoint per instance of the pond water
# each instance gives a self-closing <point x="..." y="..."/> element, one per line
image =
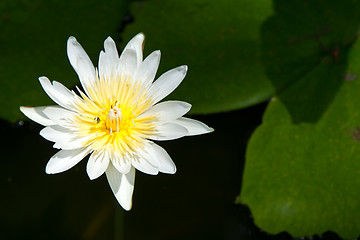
<point x="195" y="203"/>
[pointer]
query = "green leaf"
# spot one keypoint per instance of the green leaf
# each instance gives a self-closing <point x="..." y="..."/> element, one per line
<point x="221" y="43"/>
<point x="300" y="35"/>
<point x="33" y="43"/>
<point x="302" y="172"/>
<point x="302" y="164"/>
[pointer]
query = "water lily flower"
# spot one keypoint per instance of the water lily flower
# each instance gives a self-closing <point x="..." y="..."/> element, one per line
<point x="115" y="117"/>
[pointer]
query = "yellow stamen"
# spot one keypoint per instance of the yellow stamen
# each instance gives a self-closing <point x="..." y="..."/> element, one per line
<point x="113" y="119"/>
<point x="112" y="116"/>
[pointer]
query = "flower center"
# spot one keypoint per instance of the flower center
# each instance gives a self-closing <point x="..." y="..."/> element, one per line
<point x="113" y="119"/>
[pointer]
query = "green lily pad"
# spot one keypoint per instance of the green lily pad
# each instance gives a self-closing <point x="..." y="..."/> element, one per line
<point x="33" y="43"/>
<point x="298" y="37"/>
<point x="221" y="43"/>
<point x="302" y="174"/>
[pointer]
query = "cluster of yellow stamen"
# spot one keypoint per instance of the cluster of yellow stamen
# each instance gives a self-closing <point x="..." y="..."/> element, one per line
<point x="113" y="119"/>
<point x="114" y="122"/>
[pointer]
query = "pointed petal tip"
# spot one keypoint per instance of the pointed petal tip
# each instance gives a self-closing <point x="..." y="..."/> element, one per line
<point x="172" y="171"/>
<point x="182" y="69"/>
<point x="71" y="39"/>
<point x="156" y="55"/>
<point x="109" y="42"/>
<point x="126" y="207"/>
<point x="24" y="109"/>
<point x="36" y="114"/>
<point x="193" y="126"/>
<point x="63" y="160"/>
<point x="138" y="38"/>
<point x="91" y="177"/>
<point x="205" y="130"/>
<point x="43" y="78"/>
<point x="45" y="82"/>
<point x="187" y="105"/>
<point x="109" y="39"/>
<point x="162" y="159"/>
<point x="140" y="35"/>
<point x="122" y="185"/>
<point x="71" y="42"/>
<point x="126" y="204"/>
<point x="48" y="170"/>
<point x="97" y="164"/>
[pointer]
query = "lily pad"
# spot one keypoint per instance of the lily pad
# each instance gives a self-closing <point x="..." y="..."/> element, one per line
<point x="299" y="36"/>
<point x="221" y="43"/>
<point x="303" y="176"/>
<point x="33" y="43"/>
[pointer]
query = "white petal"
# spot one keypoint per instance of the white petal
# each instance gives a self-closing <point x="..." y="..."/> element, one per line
<point x="136" y="44"/>
<point x="147" y="70"/>
<point x="122" y="185"/>
<point x="65" y="159"/>
<point x="167" y="83"/>
<point x="144" y="162"/>
<point x="128" y="63"/>
<point x="37" y="114"/>
<point x="64" y="138"/>
<point x="73" y="143"/>
<point x="167" y="111"/>
<point x="169" y="131"/>
<point x="81" y="63"/>
<point x="122" y="164"/>
<point x="108" y="60"/>
<point x="194" y="127"/>
<point x="59" y="115"/>
<point x="56" y="133"/>
<point x="162" y="159"/>
<point x="59" y="93"/>
<point x="110" y="49"/>
<point x="97" y="164"/>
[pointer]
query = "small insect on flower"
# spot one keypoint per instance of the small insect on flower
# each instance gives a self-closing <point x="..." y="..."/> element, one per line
<point x="117" y="116"/>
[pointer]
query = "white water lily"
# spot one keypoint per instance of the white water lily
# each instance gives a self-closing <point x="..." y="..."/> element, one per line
<point x="116" y="118"/>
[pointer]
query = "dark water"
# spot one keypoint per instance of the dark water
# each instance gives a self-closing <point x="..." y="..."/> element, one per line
<point x="195" y="203"/>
